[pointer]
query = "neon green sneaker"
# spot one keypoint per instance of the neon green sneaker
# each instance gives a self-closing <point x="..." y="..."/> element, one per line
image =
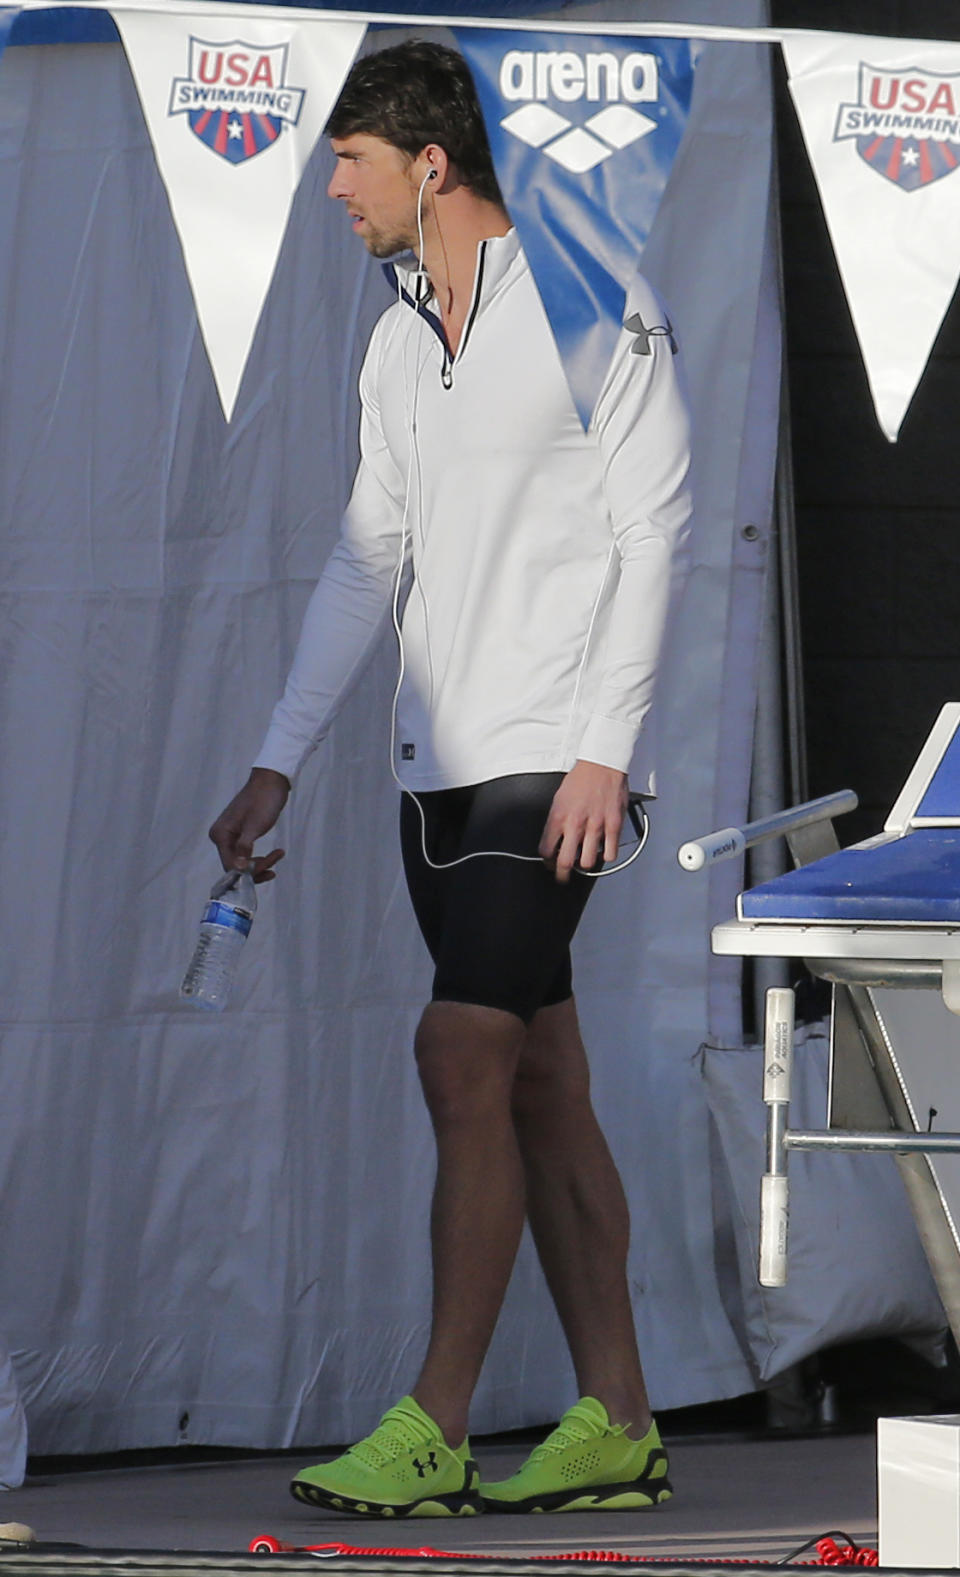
<point x="404" y="1469"/>
<point x="586" y="1463"/>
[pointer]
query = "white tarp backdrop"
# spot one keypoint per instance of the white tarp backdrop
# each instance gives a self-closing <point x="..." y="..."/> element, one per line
<point x="13" y="1426"/>
<point x="215" y="1229"/>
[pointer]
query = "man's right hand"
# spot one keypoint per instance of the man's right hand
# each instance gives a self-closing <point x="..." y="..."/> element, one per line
<point x="248" y="816"/>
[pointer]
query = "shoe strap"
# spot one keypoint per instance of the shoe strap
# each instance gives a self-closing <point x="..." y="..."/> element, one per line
<point x="577" y="1426"/>
<point x="399" y="1431"/>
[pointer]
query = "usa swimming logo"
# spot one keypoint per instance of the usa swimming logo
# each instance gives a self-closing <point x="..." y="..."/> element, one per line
<point x="236" y="98"/>
<point x="591" y="80"/>
<point x="906" y="124"/>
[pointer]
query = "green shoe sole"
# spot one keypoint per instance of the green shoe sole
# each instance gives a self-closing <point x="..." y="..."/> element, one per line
<point x="464" y="1502"/>
<point x="642" y="1494"/>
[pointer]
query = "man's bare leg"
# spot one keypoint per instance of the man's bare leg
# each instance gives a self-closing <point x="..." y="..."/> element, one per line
<point x="578" y="1214"/>
<point x="467" y="1057"/>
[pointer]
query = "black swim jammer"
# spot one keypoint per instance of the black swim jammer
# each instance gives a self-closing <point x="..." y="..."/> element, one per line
<point x="498" y="930"/>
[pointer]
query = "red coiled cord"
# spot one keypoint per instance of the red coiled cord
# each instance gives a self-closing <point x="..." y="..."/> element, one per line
<point x="833" y="1554"/>
<point x="829" y="1553"/>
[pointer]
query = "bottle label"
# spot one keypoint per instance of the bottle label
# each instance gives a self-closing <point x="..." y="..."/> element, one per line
<point x="222" y="914"/>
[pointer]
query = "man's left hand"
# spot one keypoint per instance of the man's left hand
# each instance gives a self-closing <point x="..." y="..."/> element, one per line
<point x="583" y="827"/>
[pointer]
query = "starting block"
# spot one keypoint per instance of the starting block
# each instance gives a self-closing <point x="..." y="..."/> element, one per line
<point x="880" y="921"/>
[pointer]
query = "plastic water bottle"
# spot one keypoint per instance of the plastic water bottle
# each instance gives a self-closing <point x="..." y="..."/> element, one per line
<point x="223" y="930"/>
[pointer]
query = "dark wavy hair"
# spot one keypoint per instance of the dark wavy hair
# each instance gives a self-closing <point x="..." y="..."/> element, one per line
<point x="415" y="93"/>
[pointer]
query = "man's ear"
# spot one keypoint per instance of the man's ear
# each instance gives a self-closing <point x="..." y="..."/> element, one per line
<point x="434" y="165"/>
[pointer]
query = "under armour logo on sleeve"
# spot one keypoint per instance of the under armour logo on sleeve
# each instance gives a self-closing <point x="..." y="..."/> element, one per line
<point x="636" y="325"/>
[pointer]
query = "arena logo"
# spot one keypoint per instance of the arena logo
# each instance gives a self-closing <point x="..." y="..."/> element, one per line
<point x="568" y="78"/>
<point x="236" y="97"/>
<point x="906" y="124"/>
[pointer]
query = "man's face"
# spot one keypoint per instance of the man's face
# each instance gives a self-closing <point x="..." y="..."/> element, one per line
<point x="373" y="178"/>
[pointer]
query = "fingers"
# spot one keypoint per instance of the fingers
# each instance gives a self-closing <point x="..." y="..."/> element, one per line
<point x="575" y="843"/>
<point x="611" y="841"/>
<point x="582" y="830"/>
<point x="551" y="845"/>
<point x="233" y="849"/>
<point x="552" y="833"/>
<point x="249" y="815"/>
<point x="592" y="846"/>
<point x="263" y="865"/>
<point x="580" y="849"/>
<point x="234" y="839"/>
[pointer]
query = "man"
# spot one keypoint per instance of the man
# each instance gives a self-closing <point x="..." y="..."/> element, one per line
<point x="541" y="563"/>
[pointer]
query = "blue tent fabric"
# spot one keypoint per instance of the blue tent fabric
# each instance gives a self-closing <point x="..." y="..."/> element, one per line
<point x="80" y="25"/>
<point x="64" y="25"/>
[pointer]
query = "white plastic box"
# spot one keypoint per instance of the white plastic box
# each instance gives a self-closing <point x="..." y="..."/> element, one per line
<point x="918" y="1481"/>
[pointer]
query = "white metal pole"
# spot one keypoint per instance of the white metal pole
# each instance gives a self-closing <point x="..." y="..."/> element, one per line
<point x="774" y="1188"/>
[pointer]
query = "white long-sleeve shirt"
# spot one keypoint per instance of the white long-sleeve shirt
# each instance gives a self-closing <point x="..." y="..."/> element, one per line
<point x="542" y="555"/>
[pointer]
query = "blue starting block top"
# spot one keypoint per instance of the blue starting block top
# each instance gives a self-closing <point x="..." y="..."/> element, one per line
<point x="909" y="875"/>
<point x="908" y="880"/>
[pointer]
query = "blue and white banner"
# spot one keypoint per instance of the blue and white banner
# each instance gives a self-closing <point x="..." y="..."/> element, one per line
<point x="584" y="130"/>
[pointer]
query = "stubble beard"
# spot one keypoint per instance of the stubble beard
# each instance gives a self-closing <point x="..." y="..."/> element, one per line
<point x="384" y="244"/>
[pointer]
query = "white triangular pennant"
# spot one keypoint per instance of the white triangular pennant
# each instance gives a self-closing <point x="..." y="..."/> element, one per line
<point x="881" y="121"/>
<point x="234" y="107"/>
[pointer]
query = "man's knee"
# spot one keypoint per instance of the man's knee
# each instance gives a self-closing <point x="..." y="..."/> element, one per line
<point x="466" y="1058"/>
<point x="553" y="1077"/>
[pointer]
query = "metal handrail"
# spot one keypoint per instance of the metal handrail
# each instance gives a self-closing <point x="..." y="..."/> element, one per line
<point x="850" y="1139"/>
<point x="731" y="841"/>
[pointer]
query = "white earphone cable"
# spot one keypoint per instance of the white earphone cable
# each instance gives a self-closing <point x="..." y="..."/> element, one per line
<point x="636" y="810"/>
